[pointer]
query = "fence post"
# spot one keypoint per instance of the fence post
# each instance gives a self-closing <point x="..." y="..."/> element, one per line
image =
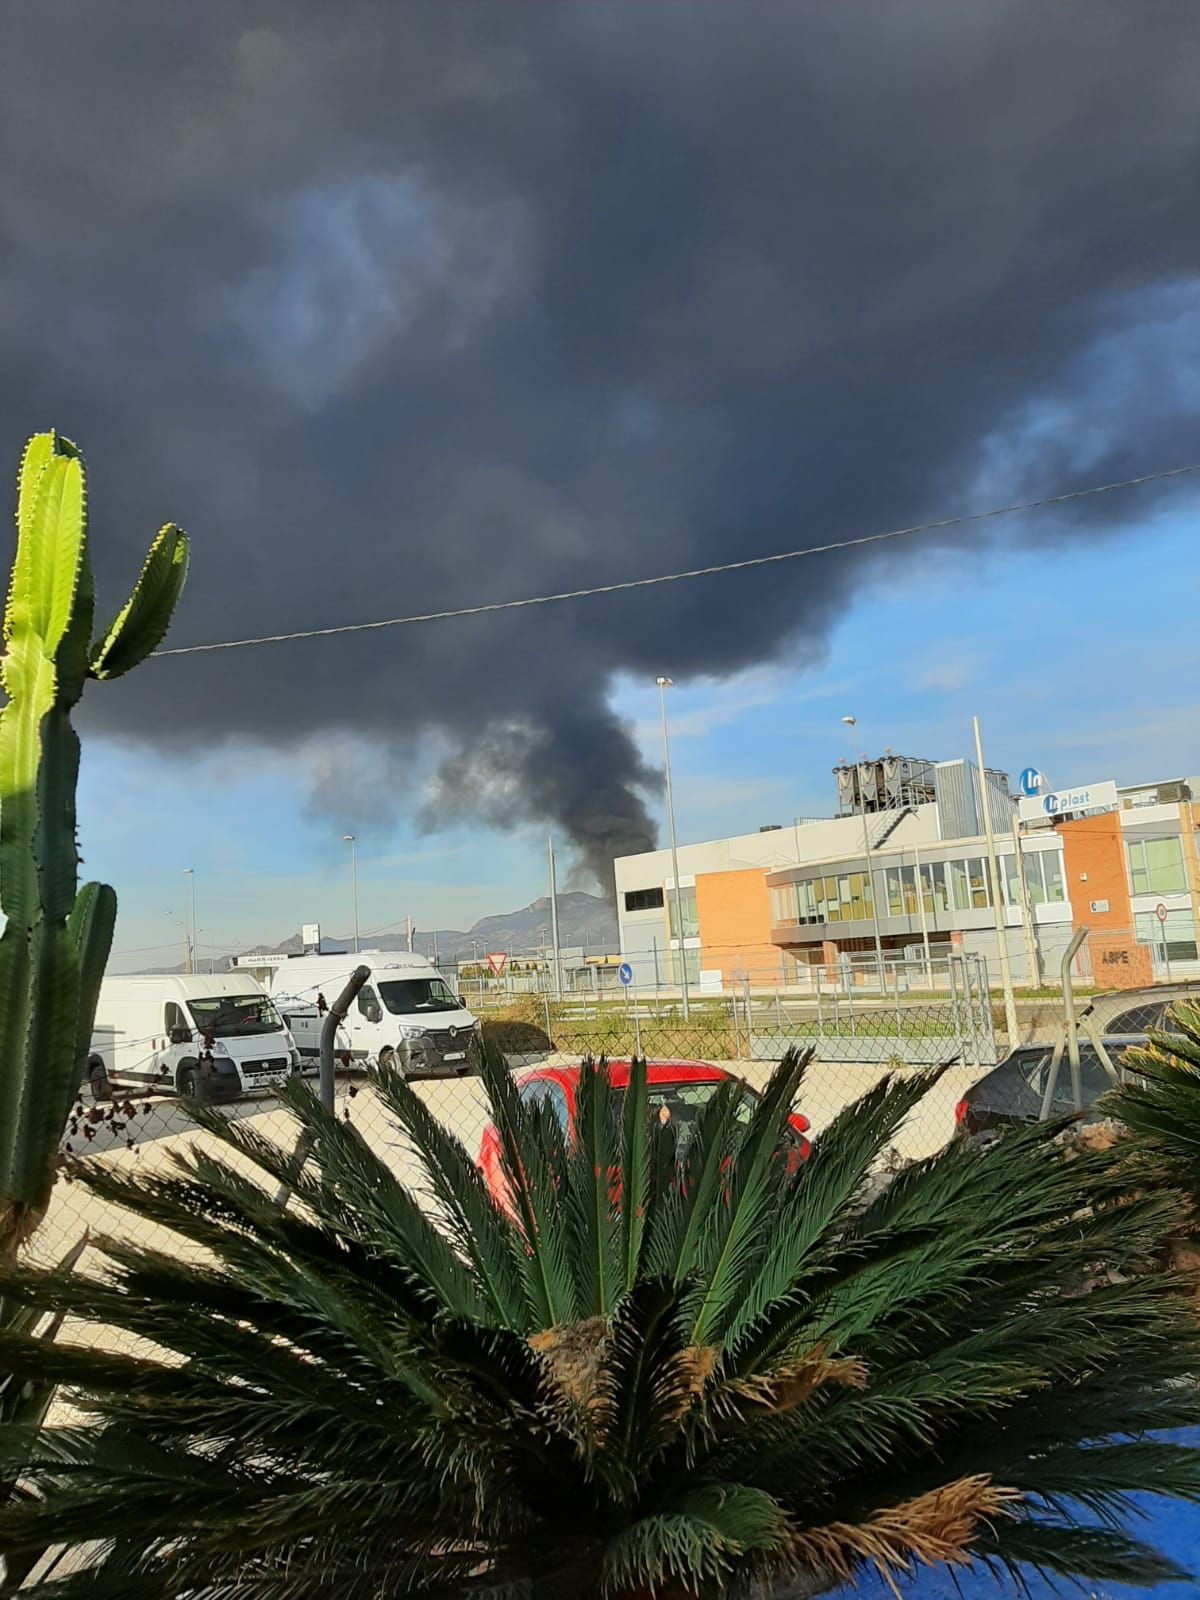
<point x="749" y="1024"/>
<point x="737" y="1033"/>
<point x="546" y="1010"/>
<point x="954" y="1012"/>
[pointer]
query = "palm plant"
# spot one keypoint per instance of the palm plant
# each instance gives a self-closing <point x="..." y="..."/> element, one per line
<point x="1160" y="1098"/>
<point x="678" y="1368"/>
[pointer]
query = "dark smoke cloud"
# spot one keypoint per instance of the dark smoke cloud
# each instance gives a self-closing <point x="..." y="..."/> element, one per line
<point x="397" y="307"/>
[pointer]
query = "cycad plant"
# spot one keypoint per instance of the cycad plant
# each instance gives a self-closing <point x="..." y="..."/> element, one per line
<point x="679" y="1367"/>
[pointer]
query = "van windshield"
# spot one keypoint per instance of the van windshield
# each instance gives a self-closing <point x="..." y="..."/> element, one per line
<point x="235" y="1016"/>
<point x="406" y="995"/>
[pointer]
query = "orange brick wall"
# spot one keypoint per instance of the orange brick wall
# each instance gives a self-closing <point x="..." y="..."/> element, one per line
<point x="733" y="910"/>
<point x="1092" y="846"/>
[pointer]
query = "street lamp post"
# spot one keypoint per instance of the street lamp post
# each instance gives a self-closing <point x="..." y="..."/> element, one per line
<point x="852" y="723"/>
<point x="190" y="874"/>
<point x="663" y="685"/>
<point x="351" y="840"/>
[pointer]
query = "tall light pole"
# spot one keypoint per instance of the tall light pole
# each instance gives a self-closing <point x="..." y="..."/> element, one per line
<point x="190" y="874"/>
<point x="852" y="723"/>
<point x="554" y="919"/>
<point x="663" y="685"/>
<point x="1010" y="1002"/>
<point x="351" y="840"/>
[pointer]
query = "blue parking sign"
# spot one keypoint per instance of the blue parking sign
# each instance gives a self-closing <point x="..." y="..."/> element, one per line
<point x="625" y="973"/>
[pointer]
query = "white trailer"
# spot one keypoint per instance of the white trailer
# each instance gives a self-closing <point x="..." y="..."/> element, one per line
<point x="406" y="1013"/>
<point x="187" y="1034"/>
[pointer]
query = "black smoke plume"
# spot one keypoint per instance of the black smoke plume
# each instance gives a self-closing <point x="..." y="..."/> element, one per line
<point x="400" y="307"/>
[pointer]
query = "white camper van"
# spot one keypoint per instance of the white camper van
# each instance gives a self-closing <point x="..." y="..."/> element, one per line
<point x="406" y="1012"/>
<point x="187" y="1034"/>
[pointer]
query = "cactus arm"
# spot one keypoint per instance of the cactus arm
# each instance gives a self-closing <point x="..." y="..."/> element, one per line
<point x="143" y="620"/>
<point x="33" y="458"/>
<point x="91" y="926"/>
<point x="51" y="1071"/>
<point x="29" y="680"/>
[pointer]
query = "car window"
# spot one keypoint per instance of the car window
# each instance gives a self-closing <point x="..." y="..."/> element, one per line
<point x="175" y="1019"/>
<point x="544" y="1091"/>
<point x="1093" y="1081"/>
<point x="1033" y="1069"/>
<point x="1140" y="1019"/>
<point x="680" y="1104"/>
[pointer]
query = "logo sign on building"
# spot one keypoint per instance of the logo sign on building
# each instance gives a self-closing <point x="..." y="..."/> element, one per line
<point x="1068" y="802"/>
<point x="1031" y="781"/>
<point x="496" y="960"/>
<point x="310" y="935"/>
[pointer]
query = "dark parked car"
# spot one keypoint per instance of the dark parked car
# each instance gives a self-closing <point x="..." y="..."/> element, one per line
<point x="1011" y="1094"/>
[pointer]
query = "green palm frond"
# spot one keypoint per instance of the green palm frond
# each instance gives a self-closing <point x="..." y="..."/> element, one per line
<point x="1161" y="1095"/>
<point x="662" y="1366"/>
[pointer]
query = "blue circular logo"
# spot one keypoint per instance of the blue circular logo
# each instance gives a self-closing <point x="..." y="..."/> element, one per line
<point x="1050" y="805"/>
<point x="625" y="973"/>
<point x="1031" y="781"/>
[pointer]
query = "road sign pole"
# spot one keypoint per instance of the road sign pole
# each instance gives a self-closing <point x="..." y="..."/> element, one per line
<point x="1160" y="911"/>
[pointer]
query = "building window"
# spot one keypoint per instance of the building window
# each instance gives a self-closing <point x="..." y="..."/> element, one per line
<point x="785" y="905"/>
<point x="895" y="897"/>
<point x="1052" y="868"/>
<point x="1174" y="939"/>
<point x="1156" y="866"/>
<point x="643" y="899"/>
<point x="938" y="889"/>
<point x="685" y="902"/>
<point x="958" y="885"/>
<point x="691" y="965"/>
<point x="1044" y="882"/>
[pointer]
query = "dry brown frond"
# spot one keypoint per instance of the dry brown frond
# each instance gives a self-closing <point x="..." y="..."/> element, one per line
<point x="791" y="1386"/>
<point x="574" y="1354"/>
<point x="937" y="1526"/>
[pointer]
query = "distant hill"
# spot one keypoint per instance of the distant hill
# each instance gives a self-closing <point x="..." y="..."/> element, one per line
<point x="583" y="919"/>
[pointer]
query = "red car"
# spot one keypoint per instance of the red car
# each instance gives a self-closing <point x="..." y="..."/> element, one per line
<point x="677" y="1089"/>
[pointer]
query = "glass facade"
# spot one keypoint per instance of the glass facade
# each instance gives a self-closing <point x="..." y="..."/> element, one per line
<point x="1174" y="939"/>
<point x="1044" y="882"/>
<point x="691" y="965"/>
<point x="962" y="884"/>
<point x="686" y="903"/>
<point x="1156" y="866"/>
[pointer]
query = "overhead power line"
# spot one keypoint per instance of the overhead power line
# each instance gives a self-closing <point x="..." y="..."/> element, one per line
<point x="965" y="519"/>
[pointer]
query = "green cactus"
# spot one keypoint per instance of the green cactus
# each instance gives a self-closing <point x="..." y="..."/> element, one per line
<point x="56" y="941"/>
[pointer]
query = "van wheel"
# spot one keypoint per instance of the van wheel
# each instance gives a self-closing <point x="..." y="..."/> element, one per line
<point x="98" y="1081"/>
<point x="188" y="1082"/>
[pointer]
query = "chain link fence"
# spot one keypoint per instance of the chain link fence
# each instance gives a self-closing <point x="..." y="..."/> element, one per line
<point x="862" y="1022"/>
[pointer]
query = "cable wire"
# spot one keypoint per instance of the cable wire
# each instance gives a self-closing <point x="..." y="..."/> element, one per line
<point x="963" y="520"/>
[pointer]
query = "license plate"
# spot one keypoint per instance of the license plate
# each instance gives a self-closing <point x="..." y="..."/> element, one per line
<point x="455" y="1055"/>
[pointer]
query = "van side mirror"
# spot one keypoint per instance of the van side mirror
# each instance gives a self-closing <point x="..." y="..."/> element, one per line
<point x="368" y="1005"/>
<point x="180" y="1036"/>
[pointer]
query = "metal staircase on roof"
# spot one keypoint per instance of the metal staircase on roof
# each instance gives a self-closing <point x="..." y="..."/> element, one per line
<point x="884" y="823"/>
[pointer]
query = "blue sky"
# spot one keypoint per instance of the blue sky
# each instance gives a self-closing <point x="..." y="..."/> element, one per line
<point x="1081" y="659"/>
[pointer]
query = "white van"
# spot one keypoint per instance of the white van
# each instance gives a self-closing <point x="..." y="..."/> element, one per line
<point x="186" y="1034"/>
<point x="405" y="1013"/>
